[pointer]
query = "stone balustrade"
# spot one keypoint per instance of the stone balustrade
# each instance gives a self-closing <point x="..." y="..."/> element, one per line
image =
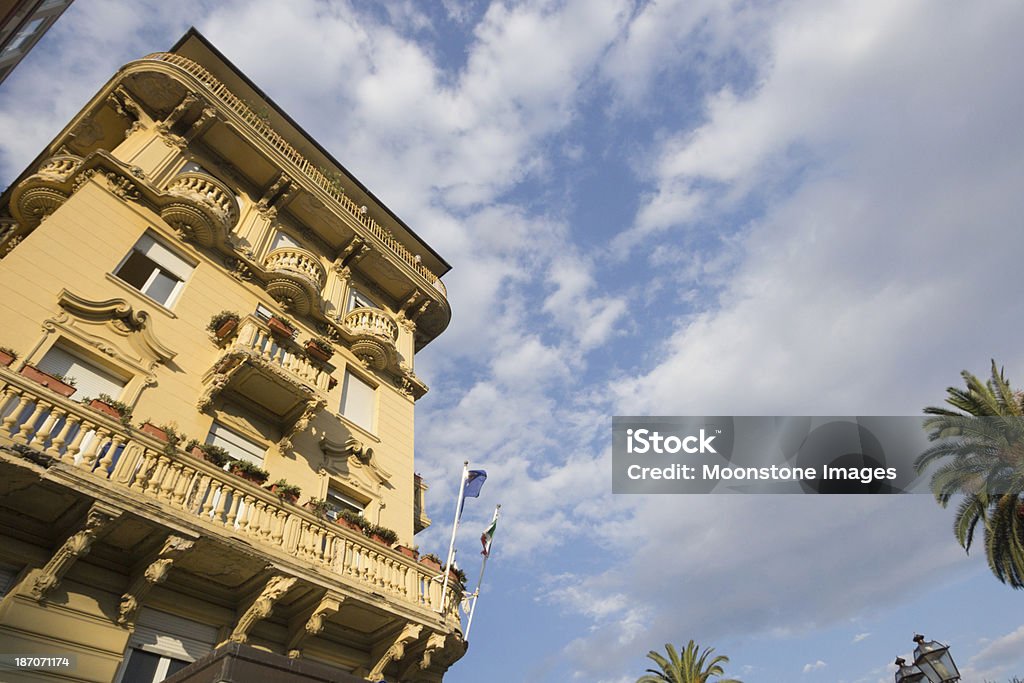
<point x="371" y="321"/>
<point x="255" y="338"/>
<point x="297" y="261"/>
<point x="203" y="210"/>
<point x="138" y="468"/>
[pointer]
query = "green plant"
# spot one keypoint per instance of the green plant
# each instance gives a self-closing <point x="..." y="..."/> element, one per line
<point x="70" y="381"/>
<point x="688" y="666"/>
<point x="353" y="517"/>
<point x="284" y="321"/>
<point x="122" y="409"/>
<point x="318" y="506"/>
<point x="283" y="489"/>
<point x="385" y="534"/>
<point x="212" y="453"/>
<point x="322" y="344"/>
<point x="248" y="470"/>
<point x="431" y="557"/>
<point x="10" y="352"/>
<point x="221" y="318"/>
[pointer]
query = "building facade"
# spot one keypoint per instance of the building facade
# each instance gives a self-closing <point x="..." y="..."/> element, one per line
<point x="196" y="296"/>
<point x="22" y="24"/>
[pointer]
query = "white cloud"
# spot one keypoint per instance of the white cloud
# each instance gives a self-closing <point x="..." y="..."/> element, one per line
<point x="1002" y="657"/>
<point x="861" y="636"/>
<point x="815" y="666"/>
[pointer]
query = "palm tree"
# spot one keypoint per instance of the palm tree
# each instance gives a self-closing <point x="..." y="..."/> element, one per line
<point x="984" y="461"/>
<point x="689" y="668"/>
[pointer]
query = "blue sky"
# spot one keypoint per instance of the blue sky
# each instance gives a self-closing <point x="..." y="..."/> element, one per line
<point x="661" y="208"/>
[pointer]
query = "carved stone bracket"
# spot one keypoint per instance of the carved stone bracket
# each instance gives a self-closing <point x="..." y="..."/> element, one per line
<point x="395" y="651"/>
<point x="44" y="580"/>
<point x="262" y="606"/>
<point x="440" y="653"/>
<point x="155" y="572"/>
<point x="313" y="406"/>
<point x="356" y="456"/>
<point x="328" y="606"/>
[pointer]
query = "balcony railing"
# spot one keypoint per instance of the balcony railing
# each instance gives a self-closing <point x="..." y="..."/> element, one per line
<point x="209" y="211"/>
<point x="299" y="262"/>
<point x="372" y="321"/>
<point x="329" y="186"/>
<point x="47" y="426"/>
<point x="254" y="337"/>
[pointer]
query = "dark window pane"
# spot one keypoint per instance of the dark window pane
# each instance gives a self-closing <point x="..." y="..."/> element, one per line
<point x="141" y="667"/>
<point x="175" y="666"/>
<point x="136" y="270"/>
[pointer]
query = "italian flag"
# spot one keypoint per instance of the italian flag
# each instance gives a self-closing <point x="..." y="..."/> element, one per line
<point x="488" y="535"/>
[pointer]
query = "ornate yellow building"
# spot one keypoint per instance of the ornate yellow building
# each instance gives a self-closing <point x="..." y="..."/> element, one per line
<point x="186" y="252"/>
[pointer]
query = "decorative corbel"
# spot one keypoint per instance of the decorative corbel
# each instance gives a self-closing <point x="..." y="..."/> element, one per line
<point x="126" y="106"/>
<point x="420" y="311"/>
<point x="262" y="606"/>
<point x="156" y="572"/>
<point x="274" y="196"/>
<point x="186" y="103"/>
<point x="313" y="406"/>
<point x="204" y="121"/>
<point x="77" y="545"/>
<point x="435" y="643"/>
<point x="356" y="249"/>
<point x="395" y="651"/>
<point x="328" y="606"/>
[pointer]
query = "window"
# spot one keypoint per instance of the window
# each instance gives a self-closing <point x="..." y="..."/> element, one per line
<point x="90" y="380"/>
<point x="357" y="299"/>
<point x="163" y="644"/>
<point x="338" y="501"/>
<point x="358" y="401"/>
<point x="237" y="445"/>
<point x="155" y="270"/>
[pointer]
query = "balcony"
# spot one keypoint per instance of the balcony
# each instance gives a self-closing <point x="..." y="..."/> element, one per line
<point x="372" y="334"/>
<point x="296" y="278"/>
<point x="42" y="193"/>
<point x="81" y="450"/>
<point x="201" y="209"/>
<point x="270" y="373"/>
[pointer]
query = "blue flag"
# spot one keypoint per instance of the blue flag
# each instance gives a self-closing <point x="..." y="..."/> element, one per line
<point x="474" y="482"/>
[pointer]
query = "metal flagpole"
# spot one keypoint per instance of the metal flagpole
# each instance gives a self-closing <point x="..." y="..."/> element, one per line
<point x="479" y="581"/>
<point x="455" y="529"/>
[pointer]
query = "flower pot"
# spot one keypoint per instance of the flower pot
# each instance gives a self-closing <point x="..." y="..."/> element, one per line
<point x="292" y="498"/>
<point x="248" y="476"/>
<point x="155" y="431"/>
<point x="314" y="351"/>
<point x="430" y="564"/>
<point x="104" y="408"/>
<point x="351" y="525"/>
<point x="226" y="329"/>
<point x="47" y="380"/>
<point x="280" y="329"/>
<point x="6" y="359"/>
<point x="408" y="552"/>
<point x="383" y="541"/>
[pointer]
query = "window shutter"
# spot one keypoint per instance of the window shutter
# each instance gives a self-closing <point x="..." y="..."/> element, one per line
<point x="90" y="380"/>
<point x="171" y="635"/>
<point x="357" y="401"/>
<point x="236" y="444"/>
<point x="164" y="257"/>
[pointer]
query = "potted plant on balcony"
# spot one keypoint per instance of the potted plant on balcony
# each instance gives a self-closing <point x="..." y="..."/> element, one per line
<point x="281" y="327"/>
<point x="319" y="348"/>
<point x="215" y="455"/>
<point x="223" y="324"/>
<point x="353" y="520"/>
<point x="383" y="535"/>
<point x="412" y="552"/>
<point x="7" y="356"/>
<point x="166" y="433"/>
<point x="109" y="406"/>
<point x="249" y="471"/>
<point x="285" y="491"/>
<point x="431" y="562"/>
<point x="65" y="386"/>
<point x="318" y="506"/>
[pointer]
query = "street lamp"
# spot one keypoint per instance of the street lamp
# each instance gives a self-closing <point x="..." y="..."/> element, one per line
<point x="934" y="660"/>
<point x="908" y="673"/>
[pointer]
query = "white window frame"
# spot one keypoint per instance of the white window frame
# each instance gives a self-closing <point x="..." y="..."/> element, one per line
<point x="216" y="436"/>
<point x="180" y="268"/>
<point x="358" y="299"/>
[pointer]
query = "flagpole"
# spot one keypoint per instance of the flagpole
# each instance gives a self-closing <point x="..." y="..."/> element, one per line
<point x="455" y="529"/>
<point x="479" y="582"/>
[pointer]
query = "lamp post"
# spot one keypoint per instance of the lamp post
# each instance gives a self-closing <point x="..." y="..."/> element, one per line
<point x="908" y="673"/>
<point x="932" y="664"/>
<point x="934" y="660"/>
